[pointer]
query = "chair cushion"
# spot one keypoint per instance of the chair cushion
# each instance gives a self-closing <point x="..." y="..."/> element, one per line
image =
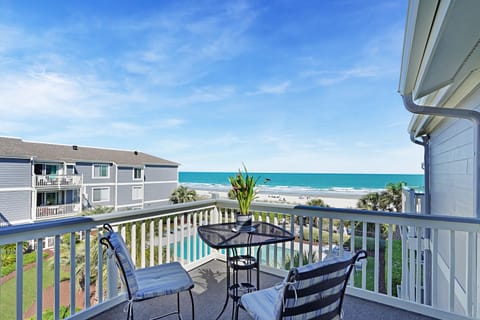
<point x="162" y="280"/>
<point x="123" y="258"/>
<point x="260" y="304"/>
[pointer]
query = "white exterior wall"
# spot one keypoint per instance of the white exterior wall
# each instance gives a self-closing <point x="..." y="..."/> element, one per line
<point x="452" y="188"/>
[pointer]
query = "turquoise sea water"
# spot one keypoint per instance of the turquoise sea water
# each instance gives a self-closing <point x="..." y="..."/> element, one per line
<point x="303" y="183"/>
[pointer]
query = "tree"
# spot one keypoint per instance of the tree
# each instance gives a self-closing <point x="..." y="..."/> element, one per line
<point x="370" y="201"/>
<point x="317" y="203"/>
<point x="183" y="194"/>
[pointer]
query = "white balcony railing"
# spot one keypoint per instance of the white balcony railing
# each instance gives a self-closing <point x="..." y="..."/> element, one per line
<point x="57" y="181"/>
<point x="59" y="210"/>
<point x="437" y="263"/>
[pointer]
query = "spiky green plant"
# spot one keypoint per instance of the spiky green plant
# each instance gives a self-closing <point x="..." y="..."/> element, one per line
<point x="243" y="188"/>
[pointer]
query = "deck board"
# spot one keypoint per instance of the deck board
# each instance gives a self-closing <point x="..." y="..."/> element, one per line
<point x="209" y="295"/>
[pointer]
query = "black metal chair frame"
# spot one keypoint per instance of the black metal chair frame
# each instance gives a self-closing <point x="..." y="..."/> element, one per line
<point x="105" y="240"/>
<point x="320" y="302"/>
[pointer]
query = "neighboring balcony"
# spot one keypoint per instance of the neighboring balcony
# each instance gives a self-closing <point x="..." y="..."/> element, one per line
<point x="417" y="264"/>
<point x="59" y="210"/>
<point x="57" y="181"/>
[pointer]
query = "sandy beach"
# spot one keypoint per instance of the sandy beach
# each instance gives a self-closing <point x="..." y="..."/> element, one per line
<point x="335" y="200"/>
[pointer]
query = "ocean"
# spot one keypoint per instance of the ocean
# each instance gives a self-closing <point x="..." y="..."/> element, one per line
<point x="310" y="184"/>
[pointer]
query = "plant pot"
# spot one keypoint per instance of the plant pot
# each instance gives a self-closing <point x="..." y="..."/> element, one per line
<point x="243" y="223"/>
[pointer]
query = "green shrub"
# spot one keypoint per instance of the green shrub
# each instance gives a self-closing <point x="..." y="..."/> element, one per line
<point x="325" y="235"/>
<point x="359" y="241"/>
<point x="9" y="261"/>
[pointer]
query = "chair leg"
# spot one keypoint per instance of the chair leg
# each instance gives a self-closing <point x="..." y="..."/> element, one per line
<point x="237" y="308"/>
<point x="193" y="307"/>
<point x="178" y="306"/>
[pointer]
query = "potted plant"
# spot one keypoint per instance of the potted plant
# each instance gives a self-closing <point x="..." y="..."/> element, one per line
<point x="243" y="189"/>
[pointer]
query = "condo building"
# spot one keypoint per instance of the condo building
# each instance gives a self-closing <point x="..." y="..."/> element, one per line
<point x="45" y="181"/>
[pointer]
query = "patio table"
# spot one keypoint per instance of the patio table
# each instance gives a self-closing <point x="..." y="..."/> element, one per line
<point x="222" y="236"/>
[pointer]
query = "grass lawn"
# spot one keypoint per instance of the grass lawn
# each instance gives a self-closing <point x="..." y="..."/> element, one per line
<point x="8" y="289"/>
<point x="396" y="268"/>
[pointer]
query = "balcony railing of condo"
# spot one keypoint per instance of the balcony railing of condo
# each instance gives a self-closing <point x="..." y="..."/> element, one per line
<point x="425" y="264"/>
<point x="57" y="181"/>
<point x="60" y="210"/>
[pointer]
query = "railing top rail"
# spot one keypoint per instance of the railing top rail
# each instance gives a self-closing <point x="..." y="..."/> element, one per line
<point x="43" y="229"/>
<point x="410" y="219"/>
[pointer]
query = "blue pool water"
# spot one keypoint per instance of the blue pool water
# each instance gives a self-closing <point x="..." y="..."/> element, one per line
<point x="203" y="250"/>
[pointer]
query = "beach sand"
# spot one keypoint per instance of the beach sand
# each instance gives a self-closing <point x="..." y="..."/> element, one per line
<point x="337" y="200"/>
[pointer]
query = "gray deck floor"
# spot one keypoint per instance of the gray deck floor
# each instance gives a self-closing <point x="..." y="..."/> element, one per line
<point x="209" y="296"/>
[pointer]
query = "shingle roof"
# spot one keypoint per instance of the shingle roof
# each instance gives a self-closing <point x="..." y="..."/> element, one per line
<point x="13" y="147"/>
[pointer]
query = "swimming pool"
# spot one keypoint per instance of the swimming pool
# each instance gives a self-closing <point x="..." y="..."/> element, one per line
<point x="202" y="250"/>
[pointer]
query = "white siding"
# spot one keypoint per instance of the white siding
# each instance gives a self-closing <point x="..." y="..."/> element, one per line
<point x="452" y="188"/>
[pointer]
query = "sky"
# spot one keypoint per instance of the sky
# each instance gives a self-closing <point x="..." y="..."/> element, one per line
<point x="287" y="86"/>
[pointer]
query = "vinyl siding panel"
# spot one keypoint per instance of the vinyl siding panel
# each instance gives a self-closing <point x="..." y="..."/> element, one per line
<point x="451" y="169"/>
<point x="15" y="205"/>
<point x="452" y="188"/>
<point x="125" y="174"/>
<point x="125" y="193"/>
<point x="161" y="173"/>
<point x="15" y="173"/>
<point x="158" y="191"/>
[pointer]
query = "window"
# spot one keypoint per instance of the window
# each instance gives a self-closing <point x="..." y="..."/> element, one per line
<point x="101" y="194"/>
<point x="137" y="173"/>
<point x="100" y="170"/>
<point x="137" y="193"/>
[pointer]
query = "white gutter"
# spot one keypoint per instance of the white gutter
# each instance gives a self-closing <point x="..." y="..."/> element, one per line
<point x="471" y="115"/>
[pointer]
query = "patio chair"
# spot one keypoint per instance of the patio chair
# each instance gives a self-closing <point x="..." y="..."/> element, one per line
<point x="147" y="283"/>
<point x="313" y="291"/>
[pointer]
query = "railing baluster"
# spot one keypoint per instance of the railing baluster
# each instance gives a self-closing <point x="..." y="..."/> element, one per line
<point x="133" y="243"/>
<point x="87" y="268"/>
<point x="182" y="236"/>
<point x="189" y="239"/>
<point x="39" y="278"/>
<point x="342" y="229"/>
<point x="300" y="246"/>
<point x="389" y="261"/>
<point x="320" y="238"/>
<point x="152" y="242"/>
<point x="142" y="244"/>
<point x="100" y="268"/>
<point x="267" y="248"/>
<point x="364" y="247"/>
<point x="195" y="255"/>
<point x="56" y="299"/>
<point x="434" y="265"/>
<point x="451" y="277"/>
<point x="72" y="272"/>
<point x="160" y="241"/>
<point x="352" y="247"/>
<point x="377" y="258"/>
<point x="19" y="281"/>
<point x="167" y="258"/>
<point x="418" y="267"/>
<point x="275" y="254"/>
<point x="330" y="235"/>
<point x="292" y="243"/>
<point x="175" y="238"/>
<point x="404" y="289"/>
<point x="310" y="239"/>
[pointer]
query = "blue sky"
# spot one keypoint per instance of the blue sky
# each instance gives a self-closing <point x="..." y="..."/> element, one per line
<point x="290" y="86"/>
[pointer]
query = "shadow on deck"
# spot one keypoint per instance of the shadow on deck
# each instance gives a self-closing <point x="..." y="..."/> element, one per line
<point x="209" y="297"/>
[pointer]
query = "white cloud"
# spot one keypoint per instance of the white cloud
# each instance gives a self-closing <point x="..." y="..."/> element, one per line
<point x="273" y="88"/>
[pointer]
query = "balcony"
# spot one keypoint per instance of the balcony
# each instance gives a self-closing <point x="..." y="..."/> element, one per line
<point x="57" y="181"/>
<point x="61" y="210"/>
<point x="419" y="266"/>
